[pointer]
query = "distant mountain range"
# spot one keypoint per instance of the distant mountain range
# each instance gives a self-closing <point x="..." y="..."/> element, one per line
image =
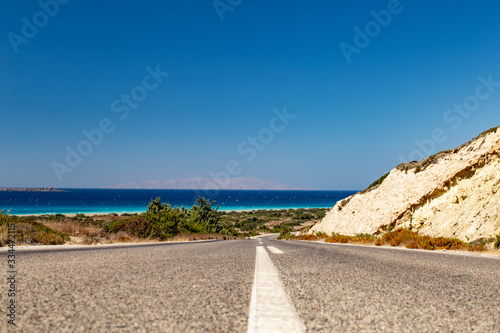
<point x="30" y="189"/>
<point x="199" y="183"/>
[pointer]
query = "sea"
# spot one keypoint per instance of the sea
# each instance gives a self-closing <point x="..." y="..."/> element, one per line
<point x="105" y="201"/>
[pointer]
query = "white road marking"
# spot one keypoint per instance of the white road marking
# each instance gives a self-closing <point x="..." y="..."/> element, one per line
<point x="270" y="308"/>
<point x="274" y="250"/>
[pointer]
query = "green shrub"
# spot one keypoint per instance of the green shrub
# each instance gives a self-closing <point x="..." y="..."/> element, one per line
<point x="301" y="215"/>
<point x="203" y="218"/>
<point x="338" y="239"/>
<point x="321" y="234"/>
<point x="285" y="232"/>
<point x="365" y="236"/>
<point x="248" y="224"/>
<point x="491" y="130"/>
<point x="161" y="221"/>
<point x="378" y="181"/>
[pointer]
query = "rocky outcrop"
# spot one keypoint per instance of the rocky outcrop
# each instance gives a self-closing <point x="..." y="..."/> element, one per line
<point x="455" y="193"/>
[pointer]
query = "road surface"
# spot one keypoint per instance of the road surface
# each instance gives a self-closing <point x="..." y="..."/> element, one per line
<point x="257" y="285"/>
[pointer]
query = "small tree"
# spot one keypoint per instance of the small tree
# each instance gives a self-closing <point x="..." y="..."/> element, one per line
<point x="285" y="232"/>
<point x="165" y="221"/>
<point x="156" y="207"/>
<point x="204" y="218"/>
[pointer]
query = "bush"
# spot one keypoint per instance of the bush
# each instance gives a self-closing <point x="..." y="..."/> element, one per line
<point x="136" y="226"/>
<point x="29" y="232"/>
<point x="338" y="239"/>
<point x="309" y="237"/>
<point x="203" y="218"/>
<point x="378" y="181"/>
<point x="321" y="234"/>
<point x="497" y="242"/>
<point x="477" y="248"/>
<point x="248" y="224"/>
<point x="404" y="237"/>
<point x="301" y="216"/>
<point x="413" y="240"/>
<point x="335" y="238"/>
<point x="124" y="239"/>
<point x="285" y="232"/>
<point x="161" y="221"/>
<point x="366" y="237"/>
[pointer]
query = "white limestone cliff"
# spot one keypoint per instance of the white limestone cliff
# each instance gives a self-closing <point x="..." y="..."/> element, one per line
<point x="455" y="193"/>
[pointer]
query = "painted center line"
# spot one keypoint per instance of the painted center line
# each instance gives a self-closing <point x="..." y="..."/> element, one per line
<point x="270" y="308"/>
<point x="274" y="250"/>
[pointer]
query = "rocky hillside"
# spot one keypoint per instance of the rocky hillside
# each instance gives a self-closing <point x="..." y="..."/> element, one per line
<point x="455" y="193"/>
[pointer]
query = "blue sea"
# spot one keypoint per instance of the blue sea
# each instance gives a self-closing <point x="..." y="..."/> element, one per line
<point x="85" y="201"/>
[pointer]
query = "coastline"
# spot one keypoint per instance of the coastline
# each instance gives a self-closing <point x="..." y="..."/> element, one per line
<point x="228" y="210"/>
<point x="104" y="202"/>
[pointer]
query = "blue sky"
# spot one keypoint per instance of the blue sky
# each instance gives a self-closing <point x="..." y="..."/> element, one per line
<point x="354" y="120"/>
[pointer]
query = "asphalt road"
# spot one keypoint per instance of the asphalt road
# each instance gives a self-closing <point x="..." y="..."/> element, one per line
<point x="215" y="287"/>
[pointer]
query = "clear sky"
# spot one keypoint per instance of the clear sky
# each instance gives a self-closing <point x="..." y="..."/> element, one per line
<point x="365" y="81"/>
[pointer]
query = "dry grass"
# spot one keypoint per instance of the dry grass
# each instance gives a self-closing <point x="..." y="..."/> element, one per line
<point x="75" y="229"/>
<point x="79" y="234"/>
<point x="32" y="233"/>
<point x="307" y="237"/>
<point x="358" y="239"/>
<point x="194" y="237"/>
<point x="53" y="230"/>
<point x="123" y="237"/>
<point x="321" y="235"/>
<point x="109" y="239"/>
<point x="412" y="240"/>
<point x="401" y="237"/>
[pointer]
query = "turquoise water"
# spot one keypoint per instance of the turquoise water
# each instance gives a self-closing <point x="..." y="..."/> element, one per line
<point x="86" y="201"/>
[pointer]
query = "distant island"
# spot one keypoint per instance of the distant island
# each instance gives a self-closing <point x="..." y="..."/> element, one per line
<point x="30" y="189"/>
<point x="199" y="183"/>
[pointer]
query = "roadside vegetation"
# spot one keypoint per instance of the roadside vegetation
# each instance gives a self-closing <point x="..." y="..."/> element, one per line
<point x="406" y="238"/>
<point x="202" y="221"/>
<point x="160" y="222"/>
<point x="256" y="222"/>
<point x="29" y="232"/>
